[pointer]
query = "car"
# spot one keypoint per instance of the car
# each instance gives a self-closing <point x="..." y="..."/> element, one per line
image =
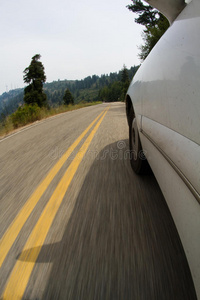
<point x="163" y="113"/>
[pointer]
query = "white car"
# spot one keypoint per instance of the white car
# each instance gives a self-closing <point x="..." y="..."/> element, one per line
<point x="163" y="111"/>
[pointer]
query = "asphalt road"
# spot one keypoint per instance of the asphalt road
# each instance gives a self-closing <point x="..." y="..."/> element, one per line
<point x="77" y="223"/>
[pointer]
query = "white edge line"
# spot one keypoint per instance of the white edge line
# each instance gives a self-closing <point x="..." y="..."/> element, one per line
<point x="36" y="123"/>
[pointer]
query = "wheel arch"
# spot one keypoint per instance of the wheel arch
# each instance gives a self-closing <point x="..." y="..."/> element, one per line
<point x="129" y="108"/>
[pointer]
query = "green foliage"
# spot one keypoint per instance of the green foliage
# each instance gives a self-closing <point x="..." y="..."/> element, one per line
<point x="148" y="16"/>
<point x="35" y="97"/>
<point x="152" y="35"/>
<point x="35" y="76"/>
<point x="125" y="81"/>
<point x="111" y="93"/>
<point x="116" y="90"/>
<point x="68" y="98"/>
<point x="124" y="75"/>
<point x="10" y="101"/>
<point x="25" y="114"/>
<point x="83" y="90"/>
<point x="35" y="71"/>
<point x="155" y="25"/>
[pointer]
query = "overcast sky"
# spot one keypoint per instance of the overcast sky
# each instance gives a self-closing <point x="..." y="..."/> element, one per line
<point x="75" y="38"/>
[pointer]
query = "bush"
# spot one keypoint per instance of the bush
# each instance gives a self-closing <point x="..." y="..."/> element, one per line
<point x="25" y="114"/>
<point x="29" y="113"/>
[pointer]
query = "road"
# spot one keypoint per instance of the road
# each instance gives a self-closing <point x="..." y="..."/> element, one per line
<point x="76" y="222"/>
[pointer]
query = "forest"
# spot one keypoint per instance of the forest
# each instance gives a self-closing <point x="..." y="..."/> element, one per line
<point x="107" y="87"/>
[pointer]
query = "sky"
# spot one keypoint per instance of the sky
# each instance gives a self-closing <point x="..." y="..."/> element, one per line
<point x="75" y="39"/>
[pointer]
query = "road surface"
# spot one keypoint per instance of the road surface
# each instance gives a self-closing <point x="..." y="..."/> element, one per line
<point x="76" y="222"/>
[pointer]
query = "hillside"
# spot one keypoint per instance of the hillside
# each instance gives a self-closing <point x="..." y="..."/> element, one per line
<point x="88" y="89"/>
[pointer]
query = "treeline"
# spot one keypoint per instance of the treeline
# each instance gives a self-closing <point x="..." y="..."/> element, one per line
<point x="116" y="89"/>
<point x="107" y="87"/>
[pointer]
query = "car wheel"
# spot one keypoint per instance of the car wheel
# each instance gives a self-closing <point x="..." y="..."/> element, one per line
<point x="137" y="157"/>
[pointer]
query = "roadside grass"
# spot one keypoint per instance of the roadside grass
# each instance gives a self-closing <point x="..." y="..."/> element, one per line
<point x="28" y="114"/>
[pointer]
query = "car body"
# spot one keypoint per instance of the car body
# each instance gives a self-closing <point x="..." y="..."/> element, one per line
<point x="163" y="111"/>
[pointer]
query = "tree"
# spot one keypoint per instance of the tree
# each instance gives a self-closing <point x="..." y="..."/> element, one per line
<point x="68" y="98"/>
<point x="124" y="75"/>
<point x="155" y="25"/>
<point x="112" y="92"/>
<point x="35" y="77"/>
<point x="125" y="81"/>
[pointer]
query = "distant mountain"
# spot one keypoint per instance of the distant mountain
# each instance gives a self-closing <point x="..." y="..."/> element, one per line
<point x="87" y="89"/>
<point x="10" y="101"/>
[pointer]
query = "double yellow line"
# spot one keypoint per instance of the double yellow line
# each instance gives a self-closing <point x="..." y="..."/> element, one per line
<point x="22" y="270"/>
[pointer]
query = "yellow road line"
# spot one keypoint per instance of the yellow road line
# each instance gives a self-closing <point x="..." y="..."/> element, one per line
<point x="12" y="232"/>
<point x="23" y="268"/>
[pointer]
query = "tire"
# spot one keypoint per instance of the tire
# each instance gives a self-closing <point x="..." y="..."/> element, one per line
<point x="138" y="160"/>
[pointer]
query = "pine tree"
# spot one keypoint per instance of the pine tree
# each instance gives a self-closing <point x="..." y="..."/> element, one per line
<point x="155" y="25"/>
<point x="35" y="77"/>
<point x="125" y="81"/>
<point x="68" y="98"/>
